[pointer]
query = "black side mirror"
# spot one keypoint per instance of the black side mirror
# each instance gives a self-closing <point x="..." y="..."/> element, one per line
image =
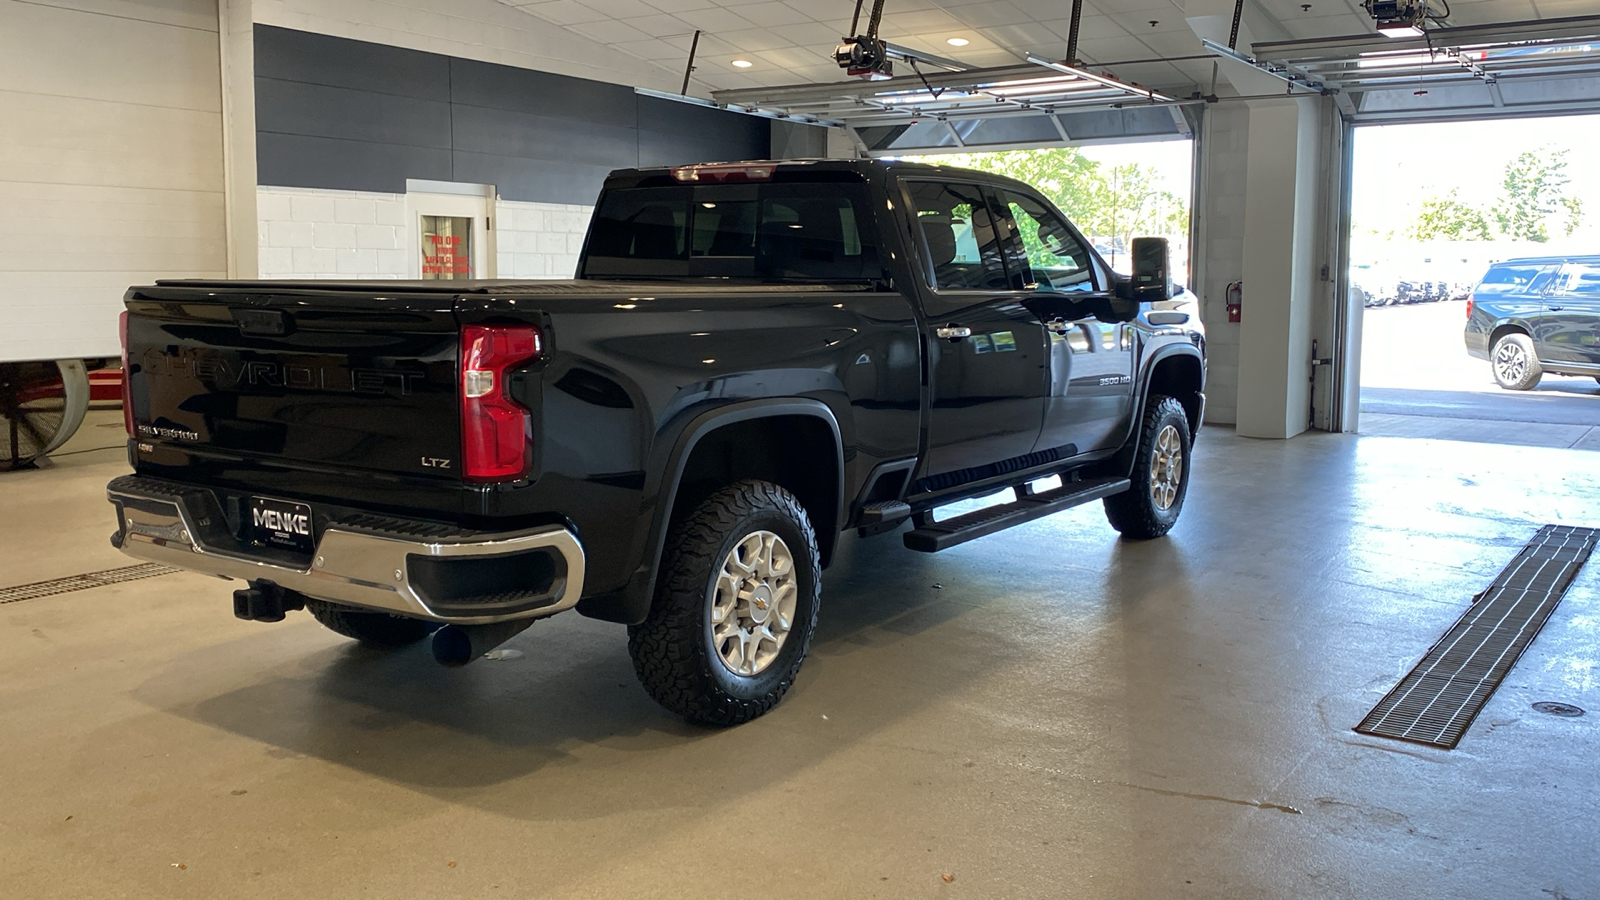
<point x="1152" y="271"/>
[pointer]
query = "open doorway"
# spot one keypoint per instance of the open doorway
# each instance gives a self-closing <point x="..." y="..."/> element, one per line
<point x="1498" y="217"/>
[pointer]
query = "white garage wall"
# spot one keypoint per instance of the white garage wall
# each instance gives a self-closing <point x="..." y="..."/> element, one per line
<point x="110" y="164"/>
<point x="315" y="234"/>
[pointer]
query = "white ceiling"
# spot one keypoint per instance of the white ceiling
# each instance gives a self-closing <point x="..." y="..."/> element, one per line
<point x="791" y="41"/>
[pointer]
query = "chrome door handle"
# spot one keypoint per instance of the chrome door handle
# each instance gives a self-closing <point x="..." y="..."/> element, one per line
<point x="953" y="332"/>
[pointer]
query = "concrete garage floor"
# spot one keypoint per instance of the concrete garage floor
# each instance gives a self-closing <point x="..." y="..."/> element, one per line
<point x="1044" y="713"/>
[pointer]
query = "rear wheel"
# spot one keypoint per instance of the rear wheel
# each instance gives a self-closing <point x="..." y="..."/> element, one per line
<point x="1150" y="508"/>
<point x="374" y="629"/>
<point x="735" y="606"/>
<point x="1516" y="367"/>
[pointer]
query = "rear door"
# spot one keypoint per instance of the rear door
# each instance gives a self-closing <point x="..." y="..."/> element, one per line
<point x="986" y="350"/>
<point x="1091" y="356"/>
<point x="1569" y="329"/>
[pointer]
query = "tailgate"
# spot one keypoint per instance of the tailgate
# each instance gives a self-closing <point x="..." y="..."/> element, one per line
<point x="331" y="379"/>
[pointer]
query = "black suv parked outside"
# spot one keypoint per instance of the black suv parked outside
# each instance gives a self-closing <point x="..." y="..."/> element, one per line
<point x="1537" y="315"/>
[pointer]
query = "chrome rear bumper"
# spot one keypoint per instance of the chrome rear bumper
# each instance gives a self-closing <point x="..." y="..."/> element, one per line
<point x="361" y="565"/>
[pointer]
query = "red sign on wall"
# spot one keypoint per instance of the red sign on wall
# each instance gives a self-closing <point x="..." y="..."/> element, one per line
<point x="446" y="247"/>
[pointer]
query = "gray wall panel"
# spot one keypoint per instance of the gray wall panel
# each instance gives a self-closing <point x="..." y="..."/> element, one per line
<point x="337" y="113"/>
<point x="539" y="180"/>
<point x="295" y="160"/>
<point x="543" y="93"/>
<point x="337" y="62"/>
<point x="293" y="107"/>
<point x="506" y="133"/>
<point x="673" y="133"/>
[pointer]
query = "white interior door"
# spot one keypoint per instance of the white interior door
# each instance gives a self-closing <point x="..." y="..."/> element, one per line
<point x="451" y="238"/>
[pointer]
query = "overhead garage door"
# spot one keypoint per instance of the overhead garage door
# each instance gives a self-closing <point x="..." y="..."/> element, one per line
<point x="110" y="164"/>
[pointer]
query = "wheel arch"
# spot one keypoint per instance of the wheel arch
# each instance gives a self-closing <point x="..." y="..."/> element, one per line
<point x="1505" y="327"/>
<point x="1178" y="373"/>
<point x="793" y="442"/>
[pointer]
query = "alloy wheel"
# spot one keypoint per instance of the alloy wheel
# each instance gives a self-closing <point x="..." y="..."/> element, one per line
<point x="1166" y="467"/>
<point x="753" y="603"/>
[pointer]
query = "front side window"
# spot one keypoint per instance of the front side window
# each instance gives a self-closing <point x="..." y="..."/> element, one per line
<point x="963" y="245"/>
<point x="1055" y="259"/>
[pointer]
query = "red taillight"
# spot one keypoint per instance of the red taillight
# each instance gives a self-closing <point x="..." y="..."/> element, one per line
<point x="127" y="387"/>
<point x="1469" y="307"/>
<point x="495" y="430"/>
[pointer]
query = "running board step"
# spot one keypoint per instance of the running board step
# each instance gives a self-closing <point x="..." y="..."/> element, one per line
<point x="931" y="537"/>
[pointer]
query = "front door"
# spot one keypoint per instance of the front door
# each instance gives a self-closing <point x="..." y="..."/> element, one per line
<point x="986" y="350"/>
<point x="1090" y="398"/>
<point x="1569" y="329"/>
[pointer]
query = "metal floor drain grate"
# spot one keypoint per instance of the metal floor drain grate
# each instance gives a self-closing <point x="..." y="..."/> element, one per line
<point x="81" y="582"/>
<point x="1438" y="700"/>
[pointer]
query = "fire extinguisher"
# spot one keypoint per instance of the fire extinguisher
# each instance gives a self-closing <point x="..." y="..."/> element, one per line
<point x="1234" y="300"/>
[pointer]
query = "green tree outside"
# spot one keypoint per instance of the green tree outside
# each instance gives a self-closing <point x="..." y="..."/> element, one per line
<point x="1116" y="202"/>
<point x="1533" y="199"/>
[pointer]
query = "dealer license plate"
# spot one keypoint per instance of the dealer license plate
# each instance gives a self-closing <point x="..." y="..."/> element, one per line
<point x="280" y="523"/>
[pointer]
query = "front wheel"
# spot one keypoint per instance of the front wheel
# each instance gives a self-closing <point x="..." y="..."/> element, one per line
<point x="735" y="606"/>
<point x="1150" y="508"/>
<point x="1516" y="367"/>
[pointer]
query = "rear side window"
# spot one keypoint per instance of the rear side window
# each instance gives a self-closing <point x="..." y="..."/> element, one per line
<point x="1517" y="278"/>
<point x="766" y="232"/>
<point x="963" y="244"/>
<point x="1582" y="279"/>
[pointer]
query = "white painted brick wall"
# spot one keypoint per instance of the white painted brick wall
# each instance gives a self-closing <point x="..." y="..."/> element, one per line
<point x="306" y="233"/>
<point x="1225" y="149"/>
<point x="540" y="240"/>
<point x="309" y="234"/>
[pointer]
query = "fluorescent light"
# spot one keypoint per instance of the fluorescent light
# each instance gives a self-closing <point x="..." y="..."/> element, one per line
<point x="957" y="42"/>
<point x="1399" y="30"/>
<point x="742" y="64"/>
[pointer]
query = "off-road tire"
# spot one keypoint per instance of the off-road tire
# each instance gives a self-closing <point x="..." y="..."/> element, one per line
<point x="672" y="649"/>
<point x="374" y="629"/>
<point x="1530" y="373"/>
<point x="1134" y="512"/>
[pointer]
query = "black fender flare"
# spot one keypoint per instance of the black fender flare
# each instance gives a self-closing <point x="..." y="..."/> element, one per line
<point x="1161" y="355"/>
<point x="631" y="603"/>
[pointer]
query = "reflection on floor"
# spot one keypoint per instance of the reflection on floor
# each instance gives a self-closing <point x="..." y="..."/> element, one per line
<point x="1044" y="713"/>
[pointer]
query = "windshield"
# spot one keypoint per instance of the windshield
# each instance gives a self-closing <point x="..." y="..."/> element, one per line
<point x="762" y="232"/>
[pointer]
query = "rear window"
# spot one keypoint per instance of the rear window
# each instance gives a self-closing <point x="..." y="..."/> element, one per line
<point x="764" y="232"/>
<point x="1517" y="278"/>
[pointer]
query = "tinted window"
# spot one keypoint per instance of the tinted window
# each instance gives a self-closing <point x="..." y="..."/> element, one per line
<point x="1517" y="278"/>
<point x="1055" y="258"/>
<point x="768" y="232"/>
<point x="1580" y="278"/>
<point x="963" y="247"/>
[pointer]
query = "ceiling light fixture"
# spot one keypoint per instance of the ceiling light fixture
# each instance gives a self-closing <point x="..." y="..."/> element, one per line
<point x="742" y="64"/>
<point x="957" y="42"/>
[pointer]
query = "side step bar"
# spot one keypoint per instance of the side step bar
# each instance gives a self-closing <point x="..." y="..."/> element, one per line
<point x="931" y="536"/>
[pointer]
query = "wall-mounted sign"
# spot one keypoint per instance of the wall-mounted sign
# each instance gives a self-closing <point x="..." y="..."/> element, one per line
<point x="446" y="248"/>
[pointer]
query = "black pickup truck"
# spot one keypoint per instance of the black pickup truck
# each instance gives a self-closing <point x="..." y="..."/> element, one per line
<point x="754" y="359"/>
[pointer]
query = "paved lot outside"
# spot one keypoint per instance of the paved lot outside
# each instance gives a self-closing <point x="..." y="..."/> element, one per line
<point x="1418" y="381"/>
